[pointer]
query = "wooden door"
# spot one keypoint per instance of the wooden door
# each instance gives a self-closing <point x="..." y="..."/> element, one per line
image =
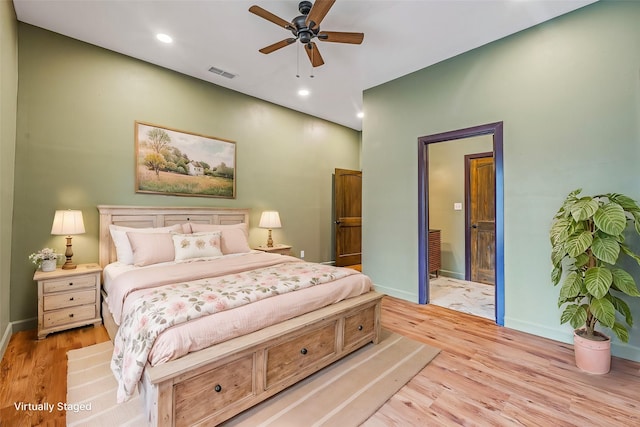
<point x="348" y="216"/>
<point x="481" y="218"/>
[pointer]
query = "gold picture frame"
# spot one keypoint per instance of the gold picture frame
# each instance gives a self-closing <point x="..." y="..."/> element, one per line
<point x="179" y="163"/>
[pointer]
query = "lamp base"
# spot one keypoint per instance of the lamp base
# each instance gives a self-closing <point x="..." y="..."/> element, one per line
<point x="68" y="265"/>
<point x="269" y="240"/>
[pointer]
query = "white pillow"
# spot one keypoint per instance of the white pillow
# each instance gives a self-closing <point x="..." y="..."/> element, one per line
<point x="197" y="245"/>
<point x="124" y="252"/>
<point x="234" y="237"/>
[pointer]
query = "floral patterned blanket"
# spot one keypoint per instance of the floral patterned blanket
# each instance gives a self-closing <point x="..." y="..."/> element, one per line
<point x="173" y="304"/>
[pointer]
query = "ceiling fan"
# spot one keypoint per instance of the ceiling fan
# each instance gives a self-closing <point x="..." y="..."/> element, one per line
<point x="306" y="27"/>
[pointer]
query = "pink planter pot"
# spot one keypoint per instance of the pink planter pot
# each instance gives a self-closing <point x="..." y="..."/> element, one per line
<point x="593" y="357"/>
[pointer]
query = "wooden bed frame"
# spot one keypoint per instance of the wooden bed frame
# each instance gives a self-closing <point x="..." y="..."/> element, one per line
<point x="212" y="385"/>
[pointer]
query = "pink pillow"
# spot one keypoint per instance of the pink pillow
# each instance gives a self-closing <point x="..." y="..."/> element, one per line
<point x="234" y="237"/>
<point x="151" y="248"/>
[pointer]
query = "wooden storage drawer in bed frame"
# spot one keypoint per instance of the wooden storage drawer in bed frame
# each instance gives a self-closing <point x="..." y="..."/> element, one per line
<point x="214" y="384"/>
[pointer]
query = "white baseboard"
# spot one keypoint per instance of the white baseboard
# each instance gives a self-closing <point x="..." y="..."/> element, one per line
<point x="4" y="342"/>
<point x="407" y="296"/>
<point x="618" y="349"/>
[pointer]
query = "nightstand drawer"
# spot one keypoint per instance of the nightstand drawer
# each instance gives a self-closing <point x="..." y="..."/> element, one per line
<point x="69" y="299"/>
<point x="70" y="283"/>
<point x="69" y="315"/>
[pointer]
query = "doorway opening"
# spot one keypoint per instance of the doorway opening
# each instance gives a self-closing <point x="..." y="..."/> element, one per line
<point x="492" y="254"/>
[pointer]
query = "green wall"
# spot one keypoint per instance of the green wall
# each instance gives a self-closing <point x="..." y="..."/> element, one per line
<point x="568" y="92"/>
<point x="77" y="104"/>
<point x="8" y="110"/>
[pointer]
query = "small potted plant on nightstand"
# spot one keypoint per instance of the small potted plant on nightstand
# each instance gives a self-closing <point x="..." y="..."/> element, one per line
<point x="587" y="236"/>
<point x="46" y="259"/>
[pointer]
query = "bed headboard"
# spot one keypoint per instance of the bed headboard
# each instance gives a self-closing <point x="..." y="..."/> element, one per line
<point x="150" y="216"/>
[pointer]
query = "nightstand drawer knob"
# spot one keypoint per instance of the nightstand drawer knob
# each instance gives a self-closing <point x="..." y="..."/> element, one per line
<point x="70" y="283"/>
<point x="71" y="315"/>
<point x="71" y="299"/>
<point x="360" y="327"/>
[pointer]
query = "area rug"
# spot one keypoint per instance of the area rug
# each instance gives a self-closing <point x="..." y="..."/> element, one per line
<point x="460" y="295"/>
<point x="345" y="393"/>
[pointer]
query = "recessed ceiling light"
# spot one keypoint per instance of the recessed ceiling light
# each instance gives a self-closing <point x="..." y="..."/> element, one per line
<point x="303" y="92"/>
<point x="164" y="38"/>
<point x="360" y="114"/>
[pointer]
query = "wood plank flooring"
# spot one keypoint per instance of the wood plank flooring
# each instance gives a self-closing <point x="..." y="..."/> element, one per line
<point x="485" y="376"/>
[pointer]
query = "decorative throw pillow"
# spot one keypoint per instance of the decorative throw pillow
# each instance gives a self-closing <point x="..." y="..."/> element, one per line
<point x="196" y="245"/>
<point x="151" y="248"/>
<point x="120" y="239"/>
<point x="234" y="237"/>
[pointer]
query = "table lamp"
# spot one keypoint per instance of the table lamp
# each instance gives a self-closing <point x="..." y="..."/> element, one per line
<point x="270" y="220"/>
<point x="68" y="223"/>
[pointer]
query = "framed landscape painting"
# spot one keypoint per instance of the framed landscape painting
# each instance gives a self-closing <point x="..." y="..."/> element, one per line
<point x="180" y="163"/>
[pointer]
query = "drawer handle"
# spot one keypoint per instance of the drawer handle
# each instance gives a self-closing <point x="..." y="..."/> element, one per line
<point x="218" y="388"/>
<point x="304" y="350"/>
<point x="360" y="327"/>
<point x="71" y="315"/>
<point x="71" y="299"/>
<point x="70" y="283"/>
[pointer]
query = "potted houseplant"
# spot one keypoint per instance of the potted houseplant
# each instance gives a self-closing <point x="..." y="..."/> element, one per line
<point x="46" y="259"/>
<point x="587" y="238"/>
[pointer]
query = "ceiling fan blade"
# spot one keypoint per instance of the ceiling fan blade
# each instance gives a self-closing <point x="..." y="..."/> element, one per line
<point x="341" y="37"/>
<point x="314" y="54"/>
<point x="318" y="12"/>
<point x="257" y="10"/>
<point x="276" y="46"/>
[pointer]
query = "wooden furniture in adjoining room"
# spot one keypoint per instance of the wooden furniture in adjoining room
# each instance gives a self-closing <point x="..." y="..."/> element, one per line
<point x="68" y="298"/>
<point x="275" y="249"/>
<point x="435" y="262"/>
<point x="213" y="384"/>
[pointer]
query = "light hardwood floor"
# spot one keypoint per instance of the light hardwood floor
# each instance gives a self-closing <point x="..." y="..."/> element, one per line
<point x="485" y="376"/>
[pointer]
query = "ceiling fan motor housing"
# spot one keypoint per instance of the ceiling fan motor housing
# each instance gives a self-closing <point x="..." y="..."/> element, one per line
<point x="304" y="7"/>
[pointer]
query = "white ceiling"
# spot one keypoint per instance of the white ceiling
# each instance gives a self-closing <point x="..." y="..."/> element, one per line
<point x="401" y="36"/>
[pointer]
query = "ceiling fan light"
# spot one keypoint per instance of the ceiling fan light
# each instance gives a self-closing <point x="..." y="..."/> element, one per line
<point x="304" y="92"/>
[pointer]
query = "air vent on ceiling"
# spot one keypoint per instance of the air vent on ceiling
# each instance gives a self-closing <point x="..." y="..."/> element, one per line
<point x="221" y="72"/>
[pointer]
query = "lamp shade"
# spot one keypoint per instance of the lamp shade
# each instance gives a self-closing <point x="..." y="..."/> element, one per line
<point x="270" y="219"/>
<point x="67" y="222"/>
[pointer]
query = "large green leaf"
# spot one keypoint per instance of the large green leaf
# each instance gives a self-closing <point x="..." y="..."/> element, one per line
<point x="611" y="219"/>
<point x="620" y="331"/>
<point x="583" y="208"/>
<point x="571" y="286"/>
<point x="629" y="252"/>
<point x="605" y="248"/>
<point x="624" y="282"/>
<point x="556" y="273"/>
<point x="575" y="314"/>
<point x="621" y="307"/>
<point x="559" y="231"/>
<point x="627" y="203"/>
<point x="604" y="311"/>
<point x="557" y="253"/>
<point x="578" y="243"/>
<point x="636" y="221"/>
<point x="598" y="281"/>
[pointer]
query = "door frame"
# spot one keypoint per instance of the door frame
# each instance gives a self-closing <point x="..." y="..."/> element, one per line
<point x="467" y="214"/>
<point x="495" y="129"/>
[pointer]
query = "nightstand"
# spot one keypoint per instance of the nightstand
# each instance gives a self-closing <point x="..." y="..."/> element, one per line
<point x="68" y="298"/>
<point x="276" y="249"/>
